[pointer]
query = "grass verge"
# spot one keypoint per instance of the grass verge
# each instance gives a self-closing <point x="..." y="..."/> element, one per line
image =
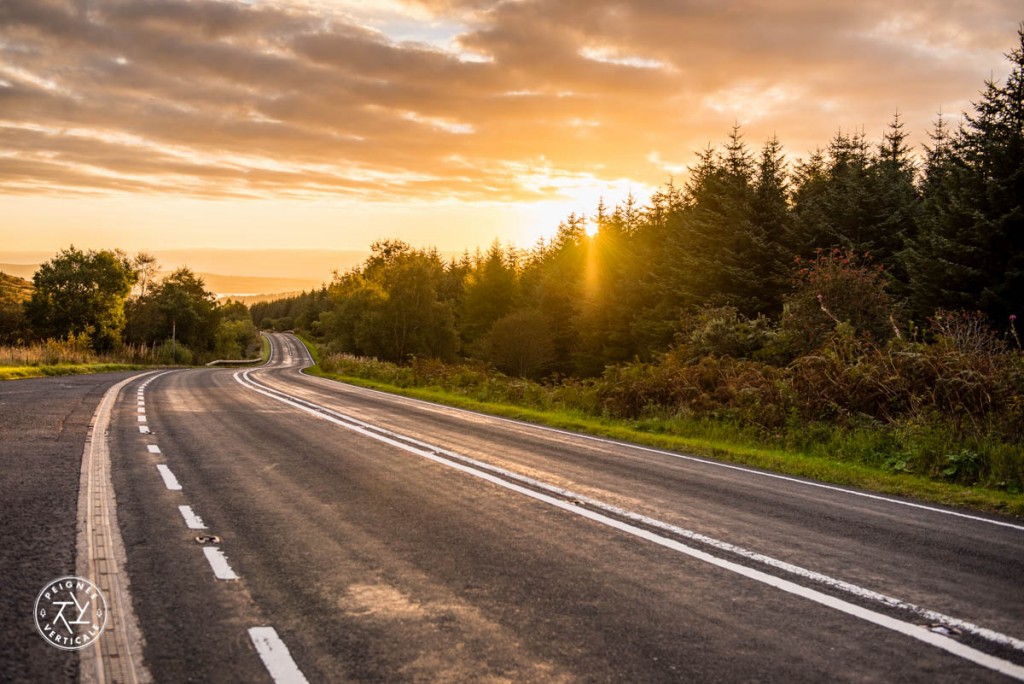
<point x="819" y="468"/>
<point x="20" y="372"/>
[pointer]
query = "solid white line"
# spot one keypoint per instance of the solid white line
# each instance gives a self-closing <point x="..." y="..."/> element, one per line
<point x="153" y="448"/>
<point x="169" y="479"/>
<point x="143" y="429"/>
<point x="433" y="453"/>
<point x="275" y="656"/>
<point x="101" y="557"/>
<point x="193" y="521"/>
<point x="686" y="457"/>
<point x="219" y="563"/>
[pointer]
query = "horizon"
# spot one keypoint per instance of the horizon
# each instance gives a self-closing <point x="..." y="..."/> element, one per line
<point x="305" y="125"/>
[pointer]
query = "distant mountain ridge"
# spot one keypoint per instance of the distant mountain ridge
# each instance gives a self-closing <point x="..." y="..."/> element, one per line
<point x="228" y="272"/>
<point x="220" y="284"/>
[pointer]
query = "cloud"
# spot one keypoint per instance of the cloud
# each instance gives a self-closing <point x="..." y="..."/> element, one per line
<point x="268" y="99"/>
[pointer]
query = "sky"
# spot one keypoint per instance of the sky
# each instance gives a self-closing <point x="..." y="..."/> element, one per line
<point x="265" y="124"/>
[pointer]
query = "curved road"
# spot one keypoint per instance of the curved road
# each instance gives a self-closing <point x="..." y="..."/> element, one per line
<point x="354" y="535"/>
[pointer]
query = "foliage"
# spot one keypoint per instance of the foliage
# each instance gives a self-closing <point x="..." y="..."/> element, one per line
<point x="520" y="344"/>
<point x="837" y="287"/>
<point x="14" y="292"/>
<point x="970" y="250"/>
<point x="80" y="292"/>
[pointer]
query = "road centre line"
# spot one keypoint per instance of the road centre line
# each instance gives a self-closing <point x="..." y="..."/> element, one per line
<point x="221" y="569"/>
<point x="142" y="419"/>
<point x="170" y="481"/>
<point x="193" y="521"/>
<point x="153" y="448"/>
<point x="275" y="656"/>
<point x="501" y="477"/>
<point x="144" y="430"/>
<point x="692" y="459"/>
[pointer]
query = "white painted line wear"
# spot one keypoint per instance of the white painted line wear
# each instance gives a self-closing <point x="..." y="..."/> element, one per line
<point x="275" y="656"/>
<point x="193" y="521"/>
<point x="219" y="563"/>
<point x="169" y="480"/>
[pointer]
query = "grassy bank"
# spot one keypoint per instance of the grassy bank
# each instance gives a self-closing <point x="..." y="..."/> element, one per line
<point x="19" y="372"/>
<point x="835" y="457"/>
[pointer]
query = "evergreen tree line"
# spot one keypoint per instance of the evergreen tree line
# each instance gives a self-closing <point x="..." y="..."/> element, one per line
<point x="860" y="233"/>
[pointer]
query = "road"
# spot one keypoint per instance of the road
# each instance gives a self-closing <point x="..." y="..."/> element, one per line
<point x="351" y="535"/>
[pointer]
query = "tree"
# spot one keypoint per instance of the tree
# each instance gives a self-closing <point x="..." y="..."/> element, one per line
<point x="969" y="253"/>
<point x="80" y="293"/>
<point x="187" y="310"/>
<point x="14" y="292"/>
<point x="520" y="344"/>
<point x="719" y="249"/>
<point x="490" y="288"/>
<point x="392" y="307"/>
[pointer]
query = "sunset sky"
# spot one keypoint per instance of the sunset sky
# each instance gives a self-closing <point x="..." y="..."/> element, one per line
<point x="146" y="124"/>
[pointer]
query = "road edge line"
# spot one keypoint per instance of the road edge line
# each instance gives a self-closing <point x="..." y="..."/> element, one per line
<point x="100" y="557"/>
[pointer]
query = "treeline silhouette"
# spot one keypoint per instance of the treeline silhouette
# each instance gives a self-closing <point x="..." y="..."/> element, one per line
<point x="743" y="232"/>
<point x="863" y="285"/>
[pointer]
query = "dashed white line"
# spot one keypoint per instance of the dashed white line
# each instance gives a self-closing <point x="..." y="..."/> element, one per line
<point x="142" y="419"/>
<point x="219" y="563"/>
<point x="153" y="448"/>
<point x="169" y="479"/>
<point x="275" y="656"/>
<point x="144" y="430"/>
<point x="193" y="521"/>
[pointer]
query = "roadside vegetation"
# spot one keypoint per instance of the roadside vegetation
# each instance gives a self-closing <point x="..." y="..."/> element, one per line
<point x="95" y="311"/>
<point x="850" y="316"/>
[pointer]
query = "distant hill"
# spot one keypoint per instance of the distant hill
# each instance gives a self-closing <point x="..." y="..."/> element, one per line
<point x="228" y="272"/>
<point x="249" y="300"/>
<point x="233" y="286"/>
<point x="14" y="288"/>
<point x="25" y="271"/>
<point x="237" y="287"/>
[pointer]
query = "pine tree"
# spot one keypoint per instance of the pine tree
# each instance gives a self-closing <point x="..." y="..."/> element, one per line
<point x="970" y="250"/>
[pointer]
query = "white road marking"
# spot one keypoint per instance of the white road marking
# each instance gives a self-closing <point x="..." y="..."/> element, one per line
<point x="473" y="467"/>
<point x="142" y="409"/>
<point x="193" y="521"/>
<point x="101" y="558"/>
<point x="153" y="448"/>
<point x="143" y="429"/>
<point x="275" y="656"/>
<point x="169" y="479"/>
<point x="219" y="563"/>
<point x="142" y="419"/>
<point x="693" y="459"/>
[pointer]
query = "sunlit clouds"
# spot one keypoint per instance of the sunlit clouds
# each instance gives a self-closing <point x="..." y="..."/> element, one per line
<point x="546" y="102"/>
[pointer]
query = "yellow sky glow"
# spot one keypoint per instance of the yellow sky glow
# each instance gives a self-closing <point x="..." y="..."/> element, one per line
<point x="326" y="125"/>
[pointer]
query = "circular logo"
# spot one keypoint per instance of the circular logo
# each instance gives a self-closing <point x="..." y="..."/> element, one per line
<point x="71" y="613"/>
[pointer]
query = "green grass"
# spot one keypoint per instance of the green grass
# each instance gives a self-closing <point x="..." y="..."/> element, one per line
<point x="717" y="444"/>
<point x="20" y="372"/>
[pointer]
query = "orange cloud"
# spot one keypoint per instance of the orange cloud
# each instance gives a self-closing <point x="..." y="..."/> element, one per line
<point x="280" y="99"/>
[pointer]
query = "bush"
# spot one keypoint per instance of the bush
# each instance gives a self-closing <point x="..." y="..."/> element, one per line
<point x="723" y="331"/>
<point x="837" y="287"/>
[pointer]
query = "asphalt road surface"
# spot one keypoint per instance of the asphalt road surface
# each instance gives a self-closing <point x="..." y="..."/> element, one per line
<point x="280" y="527"/>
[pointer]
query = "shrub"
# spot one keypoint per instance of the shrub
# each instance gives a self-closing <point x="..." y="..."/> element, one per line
<point x="837" y="286"/>
<point x="723" y="331"/>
